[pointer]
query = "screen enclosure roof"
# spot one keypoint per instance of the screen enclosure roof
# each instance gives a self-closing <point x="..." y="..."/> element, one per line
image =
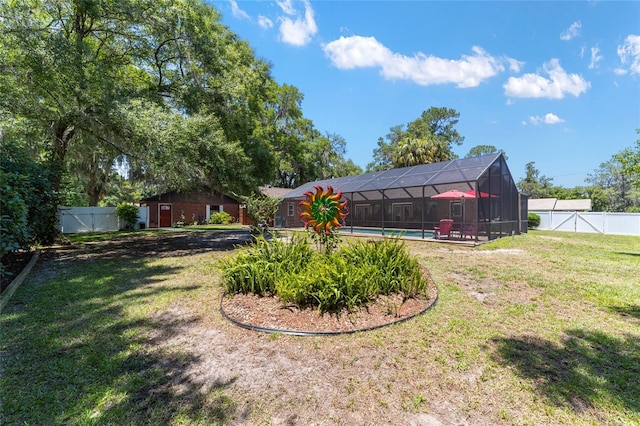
<point x="446" y="172"/>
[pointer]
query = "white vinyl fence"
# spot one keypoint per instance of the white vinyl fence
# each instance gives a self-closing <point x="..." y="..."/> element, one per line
<point x="593" y="222"/>
<point x="95" y="219"/>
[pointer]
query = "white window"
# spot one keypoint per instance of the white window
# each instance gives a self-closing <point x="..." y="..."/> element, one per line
<point x="456" y="209"/>
<point x="291" y="209"/>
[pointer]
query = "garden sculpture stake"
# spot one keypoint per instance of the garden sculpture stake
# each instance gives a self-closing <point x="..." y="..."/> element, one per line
<point x="324" y="212"/>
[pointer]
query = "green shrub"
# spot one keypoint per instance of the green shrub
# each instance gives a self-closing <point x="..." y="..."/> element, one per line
<point x="347" y="278"/>
<point x="533" y="220"/>
<point x="221" y="218"/>
<point x="256" y="269"/>
<point x="28" y="203"/>
<point x="129" y="214"/>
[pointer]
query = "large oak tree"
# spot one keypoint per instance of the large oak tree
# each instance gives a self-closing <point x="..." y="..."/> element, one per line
<point x="95" y="75"/>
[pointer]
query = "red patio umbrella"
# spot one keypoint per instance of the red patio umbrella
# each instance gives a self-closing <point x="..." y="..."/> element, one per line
<point x="472" y="194"/>
<point x="452" y="194"/>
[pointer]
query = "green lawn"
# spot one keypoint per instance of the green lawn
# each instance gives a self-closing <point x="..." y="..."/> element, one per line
<point x="537" y="329"/>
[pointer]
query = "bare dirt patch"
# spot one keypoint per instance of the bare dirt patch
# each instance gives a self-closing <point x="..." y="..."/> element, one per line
<point x="290" y="380"/>
<point x="490" y="252"/>
<point x="483" y="291"/>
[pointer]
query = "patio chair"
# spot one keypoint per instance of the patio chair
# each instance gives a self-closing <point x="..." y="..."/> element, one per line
<point x="444" y="229"/>
<point x="468" y="230"/>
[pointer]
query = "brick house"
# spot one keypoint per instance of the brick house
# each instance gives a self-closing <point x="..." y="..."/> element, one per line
<point x="196" y="206"/>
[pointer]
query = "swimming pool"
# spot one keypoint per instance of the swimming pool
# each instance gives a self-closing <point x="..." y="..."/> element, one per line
<point x="388" y="232"/>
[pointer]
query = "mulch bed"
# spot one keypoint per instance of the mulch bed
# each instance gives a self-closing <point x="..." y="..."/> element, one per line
<point x="271" y="315"/>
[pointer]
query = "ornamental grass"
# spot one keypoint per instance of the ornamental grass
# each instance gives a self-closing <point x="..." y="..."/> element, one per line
<point x="350" y="277"/>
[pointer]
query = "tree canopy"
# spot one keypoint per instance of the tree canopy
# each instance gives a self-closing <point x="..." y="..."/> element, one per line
<point x="162" y="86"/>
<point x="428" y="139"/>
<point x="614" y="184"/>
<point x="479" y="150"/>
<point x="533" y="184"/>
<point x="629" y="159"/>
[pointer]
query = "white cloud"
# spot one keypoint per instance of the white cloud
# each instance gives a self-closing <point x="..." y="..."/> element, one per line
<point x="297" y="32"/>
<point x="595" y="57"/>
<point x="629" y="54"/>
<point x="287" y="6"/>
<point x="362" y="52"/>
<point x="515" y="65"/>
<point x="549" y="118"/>
<point x="237" y="12"/>
<point x="572" y="32"/>
<point x="556" y="86"/>
<point x="265" y="22"/>
<point x="356" y="52"/>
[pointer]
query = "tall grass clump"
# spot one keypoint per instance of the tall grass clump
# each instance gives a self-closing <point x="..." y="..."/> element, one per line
<point x="397" y="270"/>
<point x="350" y="277"/>
<point x="256" y="269"/>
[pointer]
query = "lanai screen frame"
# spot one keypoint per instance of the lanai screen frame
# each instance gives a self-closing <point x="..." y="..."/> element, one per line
<point x="400" y="199"/>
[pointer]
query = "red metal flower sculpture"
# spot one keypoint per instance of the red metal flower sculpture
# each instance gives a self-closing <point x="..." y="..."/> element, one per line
<point x="323" y="210"/>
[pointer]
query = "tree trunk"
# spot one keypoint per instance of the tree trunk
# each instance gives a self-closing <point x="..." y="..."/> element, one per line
<point x="63" y="133"/>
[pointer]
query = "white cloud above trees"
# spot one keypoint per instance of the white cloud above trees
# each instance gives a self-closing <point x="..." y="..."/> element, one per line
<point x="596" y="57"/>
<point x="265" y="22"/>
<point x="237" y="12"/>
<point x="367" y="52"/>
<point x="549" y="118"/>
<point x="556" y="83"/>
<point x="287" y="6"/>
<point x="295" y="30"/>
<point x="572" y="32"/>
<point x="629" y="54"/>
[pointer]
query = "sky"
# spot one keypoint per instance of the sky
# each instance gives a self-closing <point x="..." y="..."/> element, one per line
<point x="554" y="83"/>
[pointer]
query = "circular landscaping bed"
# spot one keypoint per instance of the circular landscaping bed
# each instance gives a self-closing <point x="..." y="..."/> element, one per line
<point x="269" y="314"/>
<point x="291" y="288"/>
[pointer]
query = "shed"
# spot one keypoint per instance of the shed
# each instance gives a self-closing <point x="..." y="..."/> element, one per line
<point x="553" y="204"/>
<point x="168" y="208"/>
<point x="484" y="201"/>
<point x="274" y="191"/>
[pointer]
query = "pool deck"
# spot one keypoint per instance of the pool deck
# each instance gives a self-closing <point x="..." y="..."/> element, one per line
<point x="469" y="242"/>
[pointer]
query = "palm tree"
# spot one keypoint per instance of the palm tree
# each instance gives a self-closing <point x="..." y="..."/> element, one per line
<point x="414" y="151"/>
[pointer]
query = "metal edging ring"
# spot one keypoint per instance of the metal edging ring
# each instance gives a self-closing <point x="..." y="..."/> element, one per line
<point x="322" y="333"/>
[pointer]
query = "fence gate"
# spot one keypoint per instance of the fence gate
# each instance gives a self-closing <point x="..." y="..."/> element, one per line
<point x="576" y="222"/>
<point x="590" y="222"/>
<point x="88" y="219"/>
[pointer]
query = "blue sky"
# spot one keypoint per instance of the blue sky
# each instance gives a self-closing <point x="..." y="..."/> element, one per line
<point x="557" y="83"/>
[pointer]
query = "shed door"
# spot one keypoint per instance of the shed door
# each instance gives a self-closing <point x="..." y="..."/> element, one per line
<point x="165" y="216"/>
